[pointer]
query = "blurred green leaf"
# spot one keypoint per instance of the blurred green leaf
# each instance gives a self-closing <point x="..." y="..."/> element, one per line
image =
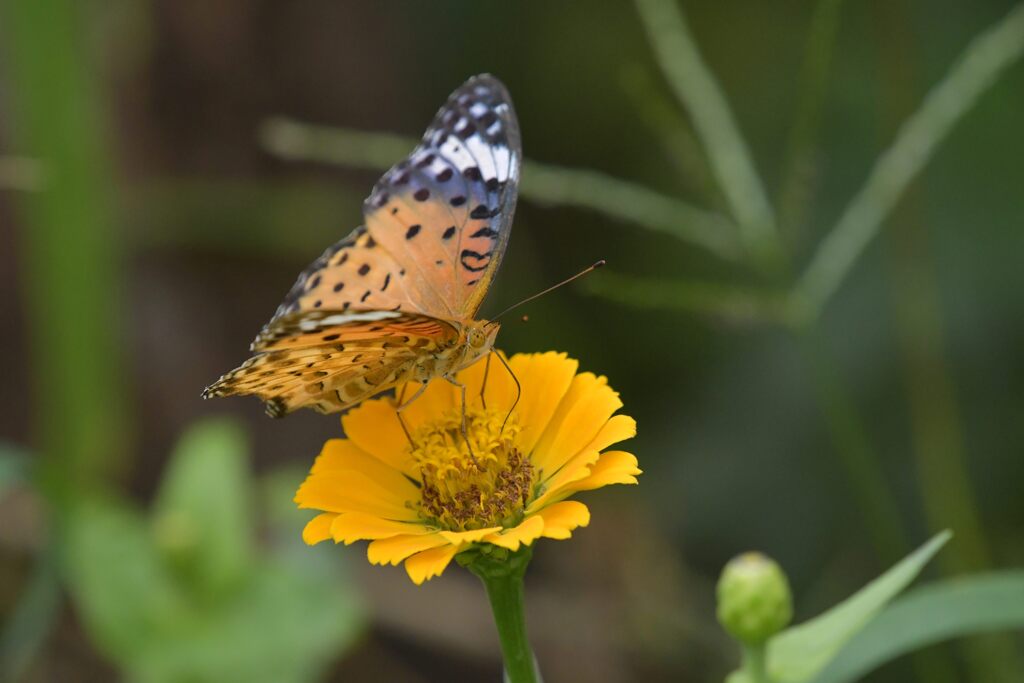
<point x="285" y="626"/>
<point x="124" y="592"/>
<point x="960" y="607"/>
<point x="202" y="515"/>
<point x="236" y="614"/>
<point x="800" y="652"/>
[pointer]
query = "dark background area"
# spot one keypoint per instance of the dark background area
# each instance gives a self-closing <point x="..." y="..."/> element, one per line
<point x="207" y="231"/>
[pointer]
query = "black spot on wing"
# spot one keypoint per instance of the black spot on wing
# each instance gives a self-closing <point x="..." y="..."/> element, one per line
<point x="482" y="211"/>
<point x="474" y="261"/>
<point x="310" y="278"/>
<point x="485" y="231"/>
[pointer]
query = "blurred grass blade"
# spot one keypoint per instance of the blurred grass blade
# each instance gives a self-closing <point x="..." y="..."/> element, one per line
<point x="629" y="202"/>
<point x="28" y="625"/>
<point x="70" y="247"/>
<point x="960" y="607"/>
<point x="801" y="652"/>
<point x="799" y="171"/>
<point x="728" y="301"/>
<point x="657" y="110"/>
<point x="542" y="183"/>
<point x="699" y="92"/>
<point x="30" y="621"/>
<point x="974" y="72"/>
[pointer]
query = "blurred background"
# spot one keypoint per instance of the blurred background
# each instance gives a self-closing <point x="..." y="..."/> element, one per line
<point x="160" y="190"/>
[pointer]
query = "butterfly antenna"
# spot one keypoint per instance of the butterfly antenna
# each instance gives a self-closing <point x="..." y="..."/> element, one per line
<point x="552" y="288"/>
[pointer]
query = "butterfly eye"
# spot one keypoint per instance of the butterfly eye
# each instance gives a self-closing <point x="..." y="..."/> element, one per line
<point x="476" y="338"/>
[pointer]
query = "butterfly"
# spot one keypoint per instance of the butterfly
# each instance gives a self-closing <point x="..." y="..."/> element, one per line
<point x="396" y="300"/>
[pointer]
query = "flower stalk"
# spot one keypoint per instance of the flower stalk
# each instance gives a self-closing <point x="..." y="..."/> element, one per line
<point x="502" y="575"/>
<point x="754" y="663"/>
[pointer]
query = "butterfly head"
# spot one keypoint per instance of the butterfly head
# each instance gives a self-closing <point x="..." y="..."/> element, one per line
<point x="480" y="336"/>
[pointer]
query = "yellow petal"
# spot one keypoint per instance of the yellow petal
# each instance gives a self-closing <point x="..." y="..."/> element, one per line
<point x="554" y="487"/>
<point x="318" y="529"/>
<point x="545" y="378"/>
<point x="351" y="492"/>
<point x="528" y="530"/>
<point x="395" y="549"/>
<point x="356" y="526"/>
<point x="561" y="518"/>
<point x="618" y="428"/>
<point x="614" y="467"/>
<point x="374" y="427"/>
<point x="500" y="390"/>
<point x="343" y="455"/>
<point x="439" y="397"/>
<point x="578" y="419"/>
<point x="462" y="537"/>
<point x="429" y="563"/>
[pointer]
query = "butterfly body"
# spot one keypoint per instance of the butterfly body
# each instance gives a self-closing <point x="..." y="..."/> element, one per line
<point x="396" y="300"/>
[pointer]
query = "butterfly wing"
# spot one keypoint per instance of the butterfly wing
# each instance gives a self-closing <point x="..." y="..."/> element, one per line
<point x="445" y="212"/>
<point x="354" y="274"/>
<point x="377" y="302"/>
<point x="437" y="223"/>
<point x="329" y="361"/>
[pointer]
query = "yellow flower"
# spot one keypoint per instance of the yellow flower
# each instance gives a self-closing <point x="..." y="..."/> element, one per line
<point x="424" y="503"/>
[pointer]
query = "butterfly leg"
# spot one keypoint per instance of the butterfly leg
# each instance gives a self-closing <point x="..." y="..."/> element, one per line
<point x="403" y="406"/>
<point x="487" y="370"/>
<point x="465" y="432"/>
<point x="519" y="389"/>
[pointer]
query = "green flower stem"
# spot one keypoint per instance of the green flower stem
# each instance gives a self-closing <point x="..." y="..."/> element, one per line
<point x="754" y="663"/>
<point x="502" y="573"/>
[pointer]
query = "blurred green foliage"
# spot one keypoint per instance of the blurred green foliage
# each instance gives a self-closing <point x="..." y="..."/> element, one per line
<point x="182" y="594"/>
<point x="932" y="614"/>
<point x="800" y="652"/>
<point x="154" y="234"/>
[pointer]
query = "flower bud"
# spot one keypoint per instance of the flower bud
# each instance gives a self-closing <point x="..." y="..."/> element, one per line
<point x="754" y="602"/>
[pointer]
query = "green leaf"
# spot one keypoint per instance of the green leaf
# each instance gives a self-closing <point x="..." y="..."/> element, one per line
<point x="801" y="652"/>
<point x="203" y="515"/>
<point x="959" y="607"/>
<point x="282" y="619"/>
<point x="284" y="625"/>
<point x="119" y="582"/>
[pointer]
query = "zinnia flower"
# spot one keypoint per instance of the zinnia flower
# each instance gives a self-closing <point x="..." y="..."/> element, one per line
<point x="424" y="502"/>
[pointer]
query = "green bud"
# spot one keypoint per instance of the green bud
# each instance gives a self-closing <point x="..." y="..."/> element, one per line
<point x="754" y="602"/>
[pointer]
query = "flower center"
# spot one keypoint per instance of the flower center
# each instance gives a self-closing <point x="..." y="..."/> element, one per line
<point x="463" y="490"/>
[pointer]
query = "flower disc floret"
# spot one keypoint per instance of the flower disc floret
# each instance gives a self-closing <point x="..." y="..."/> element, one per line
<point x="465" y="489"/>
